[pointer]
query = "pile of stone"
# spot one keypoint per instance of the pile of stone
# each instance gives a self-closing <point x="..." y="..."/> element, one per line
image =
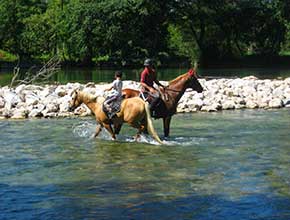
<point x="249" y="92"/>
<point x="29" y="101"/>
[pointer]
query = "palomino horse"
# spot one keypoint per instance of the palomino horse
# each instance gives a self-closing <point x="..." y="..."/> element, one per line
<point x="134" y="111"/>
<point x="171" y="94"/>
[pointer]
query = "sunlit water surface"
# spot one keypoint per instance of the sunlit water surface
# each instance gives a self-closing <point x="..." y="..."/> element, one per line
<point x="226" y="165"/>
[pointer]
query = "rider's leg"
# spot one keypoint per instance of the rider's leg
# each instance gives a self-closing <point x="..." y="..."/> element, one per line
<point x="153" y="105"/>
<point x="108" y="102"/>
<point x="111" y="99"/>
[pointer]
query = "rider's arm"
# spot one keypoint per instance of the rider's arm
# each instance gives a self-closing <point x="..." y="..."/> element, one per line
<point x="158" y="83"/>
<point x="108" y="89"/>
<point x="147" y="87"/>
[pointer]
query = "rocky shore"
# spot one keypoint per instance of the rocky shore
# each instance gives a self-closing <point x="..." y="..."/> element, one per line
<point x="29" y="101"/>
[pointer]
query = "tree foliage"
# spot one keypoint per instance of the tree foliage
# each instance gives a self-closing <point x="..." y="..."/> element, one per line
<point x="122" y="32"/>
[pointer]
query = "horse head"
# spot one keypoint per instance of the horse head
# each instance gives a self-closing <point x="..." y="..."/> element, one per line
<point x="193" y="81"/>
<point x="75" y="101"/>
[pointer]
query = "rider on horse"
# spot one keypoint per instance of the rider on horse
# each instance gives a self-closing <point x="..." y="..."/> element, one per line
<point x="113" y="100"/>
<point x="148" y="78"/>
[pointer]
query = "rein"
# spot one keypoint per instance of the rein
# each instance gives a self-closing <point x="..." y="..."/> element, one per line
<point x="173" y="90"/>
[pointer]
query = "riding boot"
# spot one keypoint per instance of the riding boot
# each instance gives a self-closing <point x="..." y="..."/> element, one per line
<point x="153" y="107"/>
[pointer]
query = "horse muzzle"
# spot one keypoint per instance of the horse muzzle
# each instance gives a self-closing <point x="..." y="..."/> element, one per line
<point x="71" y="108"/>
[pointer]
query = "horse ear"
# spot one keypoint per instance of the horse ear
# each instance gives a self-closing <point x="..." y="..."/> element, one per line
<point x="191" y="72"/>
<point x="74" y="91"/>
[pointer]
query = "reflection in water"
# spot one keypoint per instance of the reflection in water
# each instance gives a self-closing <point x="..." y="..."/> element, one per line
<point x="84" y="75"/>
<point x="215" y="166"/>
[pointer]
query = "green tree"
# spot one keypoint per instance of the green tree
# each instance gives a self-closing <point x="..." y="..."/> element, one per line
<point x="12" y="16"/>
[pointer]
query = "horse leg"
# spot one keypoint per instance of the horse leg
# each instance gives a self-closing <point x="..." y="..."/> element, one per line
<point x="140" y="130"/>
<point x="98" y="130"/>
<point x="166" y="125"/>
<point x="110" y="130"/>
<point x="117" y="128"/>
<point x="137" y="136"/>
<point x="144" y="124"/>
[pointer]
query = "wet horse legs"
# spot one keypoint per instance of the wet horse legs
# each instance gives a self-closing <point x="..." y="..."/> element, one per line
<point x="140" y="128"/>
<point x="110" y="130"/>
<point x="117" y="128"/>
<point x="166" y="126"/>
<point x="98" y="130"/>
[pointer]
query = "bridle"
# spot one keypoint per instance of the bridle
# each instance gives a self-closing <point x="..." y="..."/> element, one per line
<point x="173" y="90"/>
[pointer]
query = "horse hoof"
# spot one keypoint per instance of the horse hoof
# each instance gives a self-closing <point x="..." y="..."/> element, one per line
<point x="137" y="138"/>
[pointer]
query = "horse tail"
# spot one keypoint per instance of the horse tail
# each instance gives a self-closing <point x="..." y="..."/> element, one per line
<point x="150" y="127"/>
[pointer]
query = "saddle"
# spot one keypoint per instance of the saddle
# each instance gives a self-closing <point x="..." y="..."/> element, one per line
<point x="157" y="104"/>
<point x="112" y="109"/>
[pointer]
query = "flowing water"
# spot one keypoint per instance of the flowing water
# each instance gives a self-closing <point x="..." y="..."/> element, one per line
<point x="226" y="165"/>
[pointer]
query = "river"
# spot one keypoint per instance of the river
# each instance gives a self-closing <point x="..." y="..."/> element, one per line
<point x="225" y="165"/>
<point x="84" y="75"/>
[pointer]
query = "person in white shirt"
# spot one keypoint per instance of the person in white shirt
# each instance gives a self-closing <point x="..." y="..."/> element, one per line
<point x="115" y="94"/>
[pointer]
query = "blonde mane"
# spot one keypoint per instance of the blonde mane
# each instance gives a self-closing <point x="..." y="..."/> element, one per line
<point x="87" y="96"/>
<point x="100" y="99"/>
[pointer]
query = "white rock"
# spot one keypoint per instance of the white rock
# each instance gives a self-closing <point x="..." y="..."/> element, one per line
<point x="31" y="99"/>
<point x="19" y="114"/>
<point x="287" y="81"/>
<point x="90" y="85"/>
<point x="40" y="107"/>
<point x="11" y="99"/>
<point x="60" y="91"/>
<point x="20" y="88"/>
<point x="208" y="108"/>
<point x="35" y="113"/>
<point x="251" y="104"/>
<point x="195" y="103"/>
<point x="6" y="113"/>
<point x="278" y="92"/>
<point x="50" y="115"/>
<point x="46" y="92"/>
<point x="50" y="107"/>
<point x="229" y="104"/>
<point x="250" y="78"/>
<point x="2" y="102"/>
<point x="276" y="103"/>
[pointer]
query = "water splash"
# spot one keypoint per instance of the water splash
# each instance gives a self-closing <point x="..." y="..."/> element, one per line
<point x="184" y="141"/>
<point x="84" y="129"/>
<point x="87" y="130"/>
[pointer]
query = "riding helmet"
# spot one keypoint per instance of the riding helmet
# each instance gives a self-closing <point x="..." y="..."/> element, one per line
<point x="148" y="62"/>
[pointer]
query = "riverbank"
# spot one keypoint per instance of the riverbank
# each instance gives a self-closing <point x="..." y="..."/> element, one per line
<point x="30" y="101"/>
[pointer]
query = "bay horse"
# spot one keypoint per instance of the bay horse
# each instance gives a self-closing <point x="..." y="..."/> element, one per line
<point x="134" y="111"/>
<point x="171" y="95"/>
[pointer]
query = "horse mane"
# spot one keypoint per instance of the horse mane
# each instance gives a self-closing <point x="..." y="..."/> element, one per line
<point x="100" y="99"/>
<point x="88" y="97"/>
<point x="177" y="79"/>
